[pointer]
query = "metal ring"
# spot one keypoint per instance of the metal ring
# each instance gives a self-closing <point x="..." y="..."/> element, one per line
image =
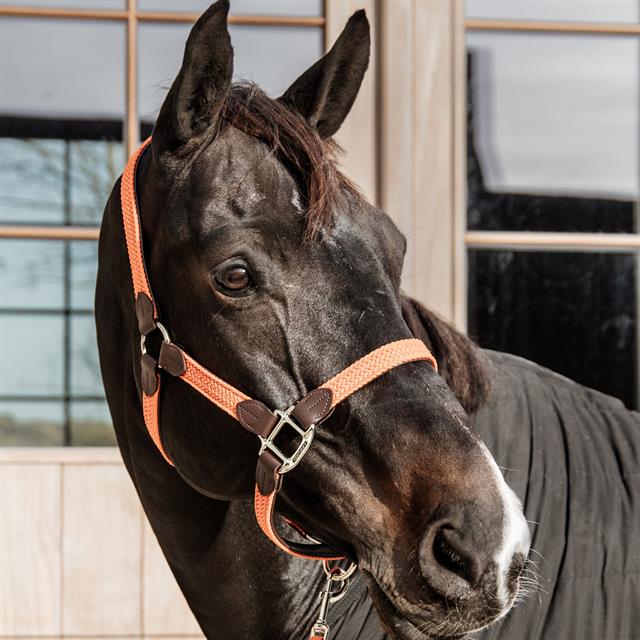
<point x="166" y="338"/>
<point x="338" y="574"/>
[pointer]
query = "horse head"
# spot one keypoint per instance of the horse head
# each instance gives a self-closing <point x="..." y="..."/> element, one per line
<point x="274" y="272"/>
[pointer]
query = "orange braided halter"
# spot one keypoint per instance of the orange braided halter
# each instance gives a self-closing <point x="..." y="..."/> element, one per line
<point x="303" y="417"/>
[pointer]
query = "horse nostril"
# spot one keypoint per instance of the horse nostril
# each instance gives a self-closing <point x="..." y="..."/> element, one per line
<point x="449" y="553"/>
<point x="448" y="562"/>
<point x="448" y="557"/>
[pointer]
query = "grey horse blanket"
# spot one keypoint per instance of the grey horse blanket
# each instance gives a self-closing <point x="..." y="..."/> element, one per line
<point x="573" y="456"/>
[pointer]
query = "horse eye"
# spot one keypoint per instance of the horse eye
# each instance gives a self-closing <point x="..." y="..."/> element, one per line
<point x="233" y="279"/>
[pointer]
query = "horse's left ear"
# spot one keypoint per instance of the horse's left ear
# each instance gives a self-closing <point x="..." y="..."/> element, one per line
<point x="324" y="94"/>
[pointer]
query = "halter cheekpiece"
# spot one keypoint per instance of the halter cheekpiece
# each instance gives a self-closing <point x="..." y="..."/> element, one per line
<point x="302" y="418"/>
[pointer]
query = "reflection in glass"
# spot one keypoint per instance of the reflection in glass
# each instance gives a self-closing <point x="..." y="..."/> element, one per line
<point x="262" y="54"/>
<point x="83" y="269"/>
<point x="559" y="10"/>
<point x="254" y="7"/>
<point x="558" y="114"/>
<point x="31" y="424"/>
<point x="31" y="355"/>
<point x="85" y="368"/>
<point x="91" y="425"/>
<point x="575" y="313"/>
<point x="31" y="274"/>
<point x="56" y="181"/>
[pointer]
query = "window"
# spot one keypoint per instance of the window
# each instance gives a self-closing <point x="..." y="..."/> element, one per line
<point x="70" y="113"/>
<point x="553" y="186"/>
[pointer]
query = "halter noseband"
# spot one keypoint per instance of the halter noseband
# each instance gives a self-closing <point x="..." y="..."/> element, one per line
<point x="302" y="417"/>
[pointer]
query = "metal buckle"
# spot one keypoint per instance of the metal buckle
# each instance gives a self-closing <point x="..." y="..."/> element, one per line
<point x="306" y="435"/>
<point x="165" y="337"/>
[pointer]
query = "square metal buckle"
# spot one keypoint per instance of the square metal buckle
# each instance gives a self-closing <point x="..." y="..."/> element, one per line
<point x="306" y="435"/>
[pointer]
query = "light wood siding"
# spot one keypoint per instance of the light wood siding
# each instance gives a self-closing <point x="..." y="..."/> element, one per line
<point x="358" y="134"/>
<point x="77" y="558"/>
<point x="421" y="140"/>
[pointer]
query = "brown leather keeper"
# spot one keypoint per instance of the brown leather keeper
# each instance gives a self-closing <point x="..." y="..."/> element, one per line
<point x="267" y="477"/>
<point x="314" y="407"/>
<point x="256" y="417"/>
<point x="145" y="314"/>
<point x="148" y="377"/>
<point x="171" y="359"/>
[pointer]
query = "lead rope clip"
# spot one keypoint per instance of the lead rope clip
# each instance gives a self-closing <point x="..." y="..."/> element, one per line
<point x="335" y="588"/>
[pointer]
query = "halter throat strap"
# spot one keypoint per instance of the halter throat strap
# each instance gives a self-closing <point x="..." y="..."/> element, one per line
<point x="301" y="418"/>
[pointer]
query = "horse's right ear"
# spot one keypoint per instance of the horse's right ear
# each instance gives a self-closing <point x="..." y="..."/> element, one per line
<point x="193" y="103"/>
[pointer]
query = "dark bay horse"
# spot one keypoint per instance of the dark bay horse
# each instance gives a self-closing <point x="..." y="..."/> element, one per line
<point x="272" y="270"/>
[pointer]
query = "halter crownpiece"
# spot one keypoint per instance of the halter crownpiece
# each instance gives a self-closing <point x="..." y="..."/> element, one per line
<point x="302" y="418"/>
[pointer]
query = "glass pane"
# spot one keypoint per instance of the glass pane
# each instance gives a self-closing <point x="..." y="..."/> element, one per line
<point x="84" y="267"/>
<point x="271" y="56"/>
<point x="556" y="10"/>
<point x="85" y="368"/>
<point x="91" y="425"/>
<point x="29" y="424"/>
<point x="554" y="116"/>
<point x="31" y="274"/>
<point x="76" y="71"/>
<point x="254" y="7"/>
<point x="31" y="355"/>
<point x="69" y="4"/>
<point x="30" y="180"/>
<point x="575" y="313"/>
<point x="95" y="166"/>
<point x="68" y="88"/>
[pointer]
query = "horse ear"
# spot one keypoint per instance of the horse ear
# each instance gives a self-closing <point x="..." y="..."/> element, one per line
<point x="324" y="94"/>
<point x="193" y="103"/>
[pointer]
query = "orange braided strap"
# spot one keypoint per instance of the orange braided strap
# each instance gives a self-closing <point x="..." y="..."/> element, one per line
<point x="150" y="405"/>
<point x="264" y="508"/>
<point x="131" y="222"/>
<point x="345" y="383"/>
<point x="374" y="364"/>
<point x="216" y="390"/>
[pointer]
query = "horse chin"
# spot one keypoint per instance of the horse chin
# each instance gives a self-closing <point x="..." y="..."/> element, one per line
<point x="434" y="624"/>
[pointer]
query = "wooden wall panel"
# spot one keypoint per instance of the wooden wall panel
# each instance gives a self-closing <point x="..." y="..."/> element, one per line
<point x="102" y="552"/>
<point x="30" y="550"/>
<point x="358" y="134"/>
<point x="421" y="142"/>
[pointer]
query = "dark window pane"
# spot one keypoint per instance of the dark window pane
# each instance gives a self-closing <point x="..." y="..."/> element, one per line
<point x="85" y="368"/>
<point x="91" y="425"/>
<point x="31" y="355"/>
<point x="29" y="424"/>
<point x="575" y="313"/>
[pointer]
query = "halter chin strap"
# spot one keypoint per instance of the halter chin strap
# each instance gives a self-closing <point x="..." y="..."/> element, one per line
<point x="301" y="418"/>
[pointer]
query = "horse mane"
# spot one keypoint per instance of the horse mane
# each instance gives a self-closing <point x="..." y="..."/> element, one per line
<point x="312" y="160"/>
<point x="461" y="362"/>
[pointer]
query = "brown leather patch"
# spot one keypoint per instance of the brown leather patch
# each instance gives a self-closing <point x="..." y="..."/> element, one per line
<point x="144" y="313"/>
<point x="171" y="359"/>
<point x="314" y="407"/>
<point x="267" y="477"/>
<point x="256" y="417"/>
<point x="148" y="377"/>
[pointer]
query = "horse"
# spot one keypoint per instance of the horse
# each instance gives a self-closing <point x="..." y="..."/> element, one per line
<point x="271" y="269"/>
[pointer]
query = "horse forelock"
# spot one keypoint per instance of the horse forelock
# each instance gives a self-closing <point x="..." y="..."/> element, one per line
<point x="311" y="159"/>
